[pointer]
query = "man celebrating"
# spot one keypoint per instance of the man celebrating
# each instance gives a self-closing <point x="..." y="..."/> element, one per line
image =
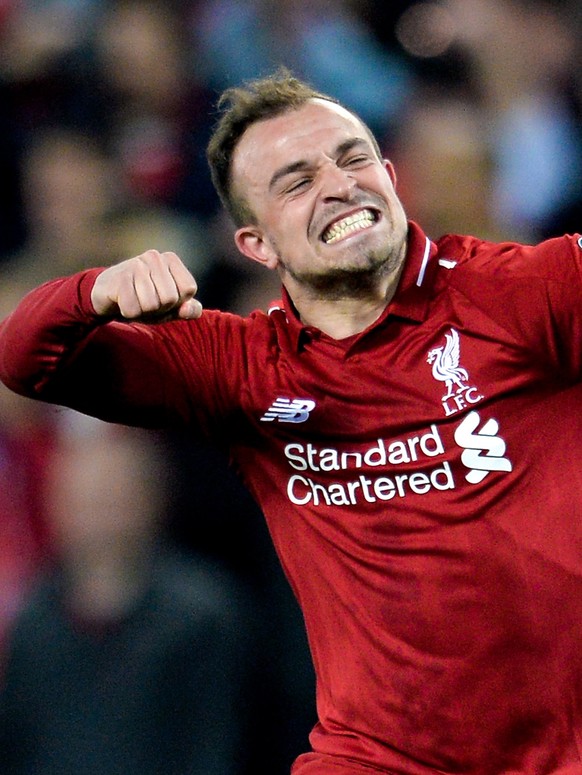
<point x="407" y="417"/>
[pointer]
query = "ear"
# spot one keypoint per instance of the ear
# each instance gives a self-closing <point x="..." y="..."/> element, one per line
<point x="390" y="170"/>
<point x="253" y="244"/>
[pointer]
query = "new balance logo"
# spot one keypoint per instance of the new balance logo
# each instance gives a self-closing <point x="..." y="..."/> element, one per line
<point x="289" y="410"/>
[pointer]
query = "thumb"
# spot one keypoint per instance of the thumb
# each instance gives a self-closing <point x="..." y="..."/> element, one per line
<point x="190" y="309"/>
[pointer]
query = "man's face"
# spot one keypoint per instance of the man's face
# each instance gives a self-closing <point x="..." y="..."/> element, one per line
<point x="324" y="202"/>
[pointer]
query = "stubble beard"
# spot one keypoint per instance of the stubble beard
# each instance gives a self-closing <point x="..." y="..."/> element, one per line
<point x="359" y="279"/>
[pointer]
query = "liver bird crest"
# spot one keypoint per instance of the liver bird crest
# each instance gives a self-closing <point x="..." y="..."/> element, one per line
<point x="445" y="364"/>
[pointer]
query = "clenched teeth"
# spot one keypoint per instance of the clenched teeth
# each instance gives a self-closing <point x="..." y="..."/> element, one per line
<point x="363" y="219"/>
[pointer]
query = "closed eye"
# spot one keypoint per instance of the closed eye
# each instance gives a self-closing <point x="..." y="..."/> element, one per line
<point x="356" y="161"/>
<point x="297" y="185"/>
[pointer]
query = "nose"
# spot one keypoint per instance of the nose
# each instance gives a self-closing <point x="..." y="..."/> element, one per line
<point x="336" y="183"/>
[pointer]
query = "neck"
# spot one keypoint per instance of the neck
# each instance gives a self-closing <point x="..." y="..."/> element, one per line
<point x="341" y="318"/>
<point x="344" y="313"/>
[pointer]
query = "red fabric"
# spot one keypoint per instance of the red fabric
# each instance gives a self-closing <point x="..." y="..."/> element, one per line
<point x="425" y="505"/>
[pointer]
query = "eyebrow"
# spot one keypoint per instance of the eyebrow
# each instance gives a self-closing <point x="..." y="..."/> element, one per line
<point x="303" y="164"/>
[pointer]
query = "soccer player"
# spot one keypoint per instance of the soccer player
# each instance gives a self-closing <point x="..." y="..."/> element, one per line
<point x="407" y="416"/>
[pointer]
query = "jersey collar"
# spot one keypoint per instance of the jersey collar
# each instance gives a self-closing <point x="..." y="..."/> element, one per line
<point x="413" y="292"/>
<point x="410" y="300"/>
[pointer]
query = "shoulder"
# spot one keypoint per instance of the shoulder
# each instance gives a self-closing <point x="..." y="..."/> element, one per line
<point x="550" y="259"/>
<point x="223" y="334"/>
<point x="531" y="292"/>
<point x="215" y="320"/>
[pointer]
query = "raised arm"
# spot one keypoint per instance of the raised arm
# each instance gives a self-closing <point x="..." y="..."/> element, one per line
<point x="74" y="341"/>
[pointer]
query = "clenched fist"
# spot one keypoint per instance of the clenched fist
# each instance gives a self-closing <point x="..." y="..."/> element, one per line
<point x="151" y="286"/>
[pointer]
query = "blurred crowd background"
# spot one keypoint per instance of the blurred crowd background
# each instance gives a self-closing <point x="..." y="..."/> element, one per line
<point x="145" y="626"/>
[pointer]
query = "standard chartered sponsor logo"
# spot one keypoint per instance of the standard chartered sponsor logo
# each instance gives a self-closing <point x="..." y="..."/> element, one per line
<point x="483" y="452"/>
<point x="303" y="489"/>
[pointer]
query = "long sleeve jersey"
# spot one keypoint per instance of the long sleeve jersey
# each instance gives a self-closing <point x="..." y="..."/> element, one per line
<point x="421" y="483"/>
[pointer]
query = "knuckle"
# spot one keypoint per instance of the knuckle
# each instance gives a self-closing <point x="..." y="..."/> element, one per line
<point x="139" y="266"/>
<point x="149" y="260"/>
<point x="150" y="255"/>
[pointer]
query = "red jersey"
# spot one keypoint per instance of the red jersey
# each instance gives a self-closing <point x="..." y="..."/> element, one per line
<point x="421" y="482"/>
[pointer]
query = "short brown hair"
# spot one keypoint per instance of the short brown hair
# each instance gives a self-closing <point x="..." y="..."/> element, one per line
<point x="242" y="106"/>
